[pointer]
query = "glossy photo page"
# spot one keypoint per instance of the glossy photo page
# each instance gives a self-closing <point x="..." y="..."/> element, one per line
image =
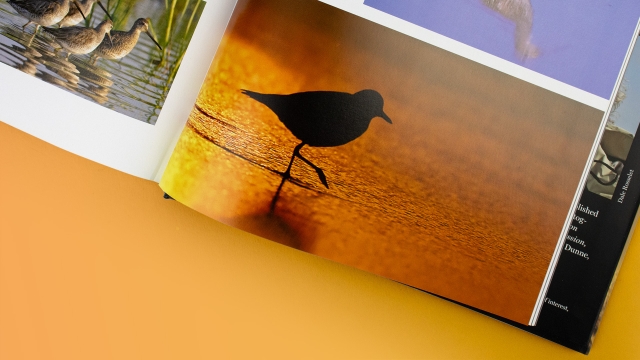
<point x="327" y="132"/>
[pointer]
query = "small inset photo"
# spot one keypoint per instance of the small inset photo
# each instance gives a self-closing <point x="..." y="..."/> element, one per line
<point x="121" y="54"/>
<point x="622" y="125"/>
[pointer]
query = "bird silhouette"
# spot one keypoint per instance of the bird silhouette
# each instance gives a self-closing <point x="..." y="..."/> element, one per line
<point x="322" y="119"/>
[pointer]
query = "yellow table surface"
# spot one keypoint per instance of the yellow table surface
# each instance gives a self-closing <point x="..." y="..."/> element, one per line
<point x="94" y="264"/>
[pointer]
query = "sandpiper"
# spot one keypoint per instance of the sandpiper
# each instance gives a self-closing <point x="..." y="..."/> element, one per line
<point x="42" y="12"/>
<point x="322" y="119"/>
<point x="81" y="40"/>
<point x="122" y="42"/>
<point x="74" y="16"/>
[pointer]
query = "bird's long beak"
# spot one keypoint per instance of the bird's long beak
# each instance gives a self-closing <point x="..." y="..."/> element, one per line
<point x="386" y="118"/>
<point x="78" y="6"/>
<point x="154" y="41"/>
<point x="105" y="10"/>
<point x="110" y="40"/>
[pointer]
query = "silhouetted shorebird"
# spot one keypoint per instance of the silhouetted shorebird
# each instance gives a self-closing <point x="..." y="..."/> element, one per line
<point x="122" y="42"/>
<point x="42" y="12"/>
<point x="80" y="40"/>
<point x="74" y="15"/>
<point x="322" y="119"/>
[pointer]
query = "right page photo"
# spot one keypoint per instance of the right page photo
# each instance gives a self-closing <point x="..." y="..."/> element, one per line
<point x="329" y="133"/>
<point x="578" y="42"/>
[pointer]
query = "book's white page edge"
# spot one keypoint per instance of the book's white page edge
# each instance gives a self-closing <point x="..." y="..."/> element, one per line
<point x="576" y="199"/>
<point x="103" y="135"/>
<point x="196" y="58"/>
<point x="358" y="8"/>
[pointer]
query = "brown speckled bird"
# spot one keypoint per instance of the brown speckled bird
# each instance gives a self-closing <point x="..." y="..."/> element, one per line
<point x="74" y="16"/>
<point x="122" y="42"/>
<point x="81" y="40"/>
<point x="41" y="12"/>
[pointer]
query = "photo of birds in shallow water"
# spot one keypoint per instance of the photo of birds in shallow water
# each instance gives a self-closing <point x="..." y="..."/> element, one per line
<point x="79" y="39"/>
<point x="322" y="119"/>
<point x="93" y="48"/>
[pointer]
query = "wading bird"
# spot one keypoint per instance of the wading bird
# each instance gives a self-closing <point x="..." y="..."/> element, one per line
<point x="43" y="12"/>
<point x="122" y="42"/>
<point x="322" y="119"/>
<point x="75" y="15"/>
<point x="80" y="40"/>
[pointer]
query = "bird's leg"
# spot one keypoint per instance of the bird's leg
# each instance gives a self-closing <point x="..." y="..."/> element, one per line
<point x="319" y="171"/>
<point x="25" y="25"/>
<point x="286" y="175"/>
<point x="31" y="39"/>
<point x="296" y="152"/>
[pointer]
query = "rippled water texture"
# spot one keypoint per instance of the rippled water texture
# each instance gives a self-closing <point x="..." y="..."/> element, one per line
<point x="135" y="85"/>
<point x="464" y="195"/>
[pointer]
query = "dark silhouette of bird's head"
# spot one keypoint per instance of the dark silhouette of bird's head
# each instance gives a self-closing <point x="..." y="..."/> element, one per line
<point x="371" y="101"/>
<point x="325" y="118"/>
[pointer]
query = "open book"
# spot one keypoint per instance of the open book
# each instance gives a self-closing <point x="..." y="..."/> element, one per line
<point x="480" y="150"/>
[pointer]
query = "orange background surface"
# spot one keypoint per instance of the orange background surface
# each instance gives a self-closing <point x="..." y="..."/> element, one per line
<point x="94" y="264"/>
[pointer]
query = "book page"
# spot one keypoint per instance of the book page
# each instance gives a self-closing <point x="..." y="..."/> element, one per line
<point x="122" y="103"/>
<point x="395" y="149"/>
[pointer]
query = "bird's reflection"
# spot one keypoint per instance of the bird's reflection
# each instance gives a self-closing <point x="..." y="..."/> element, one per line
<point x="520" y="12"/>
<point x="29" y="66"/>
<point x="30" y="63"/>
<point x="96" y="76"/>
<point x="99" y="94"/>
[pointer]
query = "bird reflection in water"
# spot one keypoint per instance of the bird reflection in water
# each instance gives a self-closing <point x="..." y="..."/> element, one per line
<point x="99" y="85"/>
<point x="322" y="119"/>
<point x="520" y="12"/>
<point x="29" y="65"/>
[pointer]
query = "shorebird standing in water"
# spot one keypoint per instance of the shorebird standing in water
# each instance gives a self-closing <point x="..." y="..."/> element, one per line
<point x="42" y="12"/>
<point x="122" y="42"/>
<point x="80" y="40"/>
<point x="75" y="14"/>
<point x="322" y="119"/>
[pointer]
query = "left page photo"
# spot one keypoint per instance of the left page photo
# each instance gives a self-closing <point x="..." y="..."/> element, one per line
<point x="112" y="81"/>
